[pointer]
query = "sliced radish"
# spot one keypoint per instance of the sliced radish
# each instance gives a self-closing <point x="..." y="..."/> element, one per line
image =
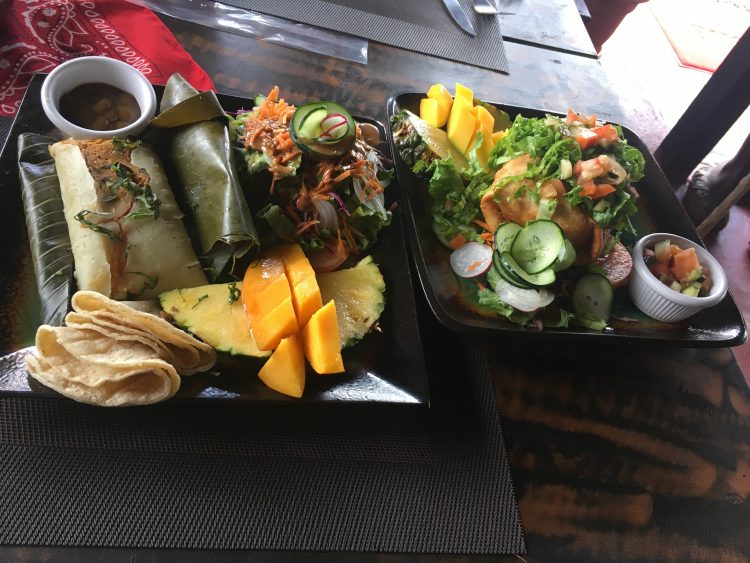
<point x="471" y="260"/>
<point x="527" y="300"/>
<point x="332" y="126"/>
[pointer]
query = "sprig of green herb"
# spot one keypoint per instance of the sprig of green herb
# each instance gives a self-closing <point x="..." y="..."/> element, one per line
<point x="200" y="300"/>
<point x="125" y="144"/>
<point x="81" y="218"/>
<point x="234" y="292"/>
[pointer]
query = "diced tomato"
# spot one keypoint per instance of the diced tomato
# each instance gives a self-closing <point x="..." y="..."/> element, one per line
<point x="685" y="262"/>
<point x="592" y="168"/>
<point x="589" y="188"/>
<point x="586" y="139"/>
<point x="606" y="134"/>
<point x="659" y="269"/>
<point x="602" y="190"/>
<point x="590" y="121"/>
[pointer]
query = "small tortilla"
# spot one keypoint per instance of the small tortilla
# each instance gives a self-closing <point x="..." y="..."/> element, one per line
<point x="81" y="365"/>
<point x="187" y="354"/>
<point x="110" y="354"/>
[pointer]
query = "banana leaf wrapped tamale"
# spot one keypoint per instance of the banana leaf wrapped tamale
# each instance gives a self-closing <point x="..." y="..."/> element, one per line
<point x="48" y="232"/>
<point x="201" y="152"/>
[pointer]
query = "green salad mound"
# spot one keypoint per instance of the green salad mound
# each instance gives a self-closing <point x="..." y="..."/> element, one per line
<point x="594" y="163"/>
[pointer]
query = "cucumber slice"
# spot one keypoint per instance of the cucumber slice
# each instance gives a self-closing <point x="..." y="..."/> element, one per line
<point x="306" y="132"/>
<point x="504" y="236"/>
<point x="309" y="126"/>
<point x="537" y="246"/>
<point x="539" y="279"/>
<point x="566" y="257"/>
<point x="592" y="301"/>
<point x="508" y="276"/>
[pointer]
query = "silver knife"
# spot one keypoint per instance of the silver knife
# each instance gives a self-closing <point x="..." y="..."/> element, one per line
<point x="459" y="16"/>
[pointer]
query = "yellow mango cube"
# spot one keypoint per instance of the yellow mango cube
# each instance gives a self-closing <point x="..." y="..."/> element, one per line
<point x="483" y="153"/>
<point x="285" y="369"/>
<point x="461" y="125"/>
<point x="321" y="342"/>
<point x="440" y="93"/>
<point x="462" y="92"/>
<point x="484" y="117"/>
<point x="266" y="300"/>
<point x="304" y="285"/>
<point x="432" y="112"/>
<point x="279" y="323"/>
<point x="496" y="136"/>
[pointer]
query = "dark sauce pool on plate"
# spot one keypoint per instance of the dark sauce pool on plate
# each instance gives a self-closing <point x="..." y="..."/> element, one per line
<point x="99" y="106"/>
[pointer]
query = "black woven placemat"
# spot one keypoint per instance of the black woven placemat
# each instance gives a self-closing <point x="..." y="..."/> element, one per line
<point x="424" y="26"/>
<point x="340" y="478"/>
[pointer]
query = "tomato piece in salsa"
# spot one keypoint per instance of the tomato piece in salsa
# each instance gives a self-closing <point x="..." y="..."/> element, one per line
<point x="678" y="268"/>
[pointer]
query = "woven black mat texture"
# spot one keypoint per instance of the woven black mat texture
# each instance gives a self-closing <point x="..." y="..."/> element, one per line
<point x="424" y="26"/>
<point x="339" y="478"/>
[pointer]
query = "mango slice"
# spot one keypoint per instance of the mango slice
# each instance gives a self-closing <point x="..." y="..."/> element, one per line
<point x="321" y="342"/>
<point x="461" y="125"/>
<point x="272" y="327"/>
<point x="302" y="281"/>
<point x="440" y="93"/>
<point x="432" y="112"/>
<point x="484" y="118"/>
<point x="496" y="136"/>
<point x="285" y="369"/>
<point x="463" y="93"/>
<point x="268" y="302"/>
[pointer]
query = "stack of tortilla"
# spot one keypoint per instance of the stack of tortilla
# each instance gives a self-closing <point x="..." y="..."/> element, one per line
<point x="111" y="354"/>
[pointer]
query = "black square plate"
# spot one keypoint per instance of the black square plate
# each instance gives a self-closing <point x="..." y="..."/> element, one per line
<point x="658" y="211"/>
<point x="386" y="366"/>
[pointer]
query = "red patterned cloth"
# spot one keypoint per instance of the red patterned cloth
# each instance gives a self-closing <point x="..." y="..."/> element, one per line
<point x="38" y="35"/>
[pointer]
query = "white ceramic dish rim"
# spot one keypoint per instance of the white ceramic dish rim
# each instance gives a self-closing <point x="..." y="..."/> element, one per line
<point x="718" y="276"/>
<point x="144" y="95"/>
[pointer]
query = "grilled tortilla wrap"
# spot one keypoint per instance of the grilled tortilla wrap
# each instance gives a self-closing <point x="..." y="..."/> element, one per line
<point x="126" y="229"/>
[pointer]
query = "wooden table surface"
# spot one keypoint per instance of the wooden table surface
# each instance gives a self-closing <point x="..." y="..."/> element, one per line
<point x="617" y="454"/>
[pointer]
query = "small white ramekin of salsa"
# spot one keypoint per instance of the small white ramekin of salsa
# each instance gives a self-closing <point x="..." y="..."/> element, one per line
<point x="674" y="278"/>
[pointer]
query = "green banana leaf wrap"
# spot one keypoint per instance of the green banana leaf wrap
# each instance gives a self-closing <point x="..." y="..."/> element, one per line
<point x="45" y="222"/>
<point x="209" y="185"/>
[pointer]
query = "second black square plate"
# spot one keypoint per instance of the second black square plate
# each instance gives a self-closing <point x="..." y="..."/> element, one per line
<point x="658" y="211"/>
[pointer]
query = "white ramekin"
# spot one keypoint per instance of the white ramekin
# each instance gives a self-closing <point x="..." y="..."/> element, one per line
<point x="660" y="301"/>
<point x="84" y="70"/>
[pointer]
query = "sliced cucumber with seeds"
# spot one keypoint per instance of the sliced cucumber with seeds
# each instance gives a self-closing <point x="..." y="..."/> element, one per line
<point x="537" y="246"/>
<point x="504" y="236"/>
<point x="539" y="279"/>
<point x="566" y="257"/>
<point x="508" y="276"/>
<point x="592" y="301"/>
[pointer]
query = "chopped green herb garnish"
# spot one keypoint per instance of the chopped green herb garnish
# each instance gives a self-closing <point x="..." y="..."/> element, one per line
<point x="200" y="299"/>
<point x="81" y="218"/>
<point x="234" y="292"/>
<point x="125" y="144"/>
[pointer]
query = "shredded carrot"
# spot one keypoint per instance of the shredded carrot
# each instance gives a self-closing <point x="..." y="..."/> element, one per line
<point x="457" y="241"/>
<point x="308" y="225"/>
<point x="473" y="266"/>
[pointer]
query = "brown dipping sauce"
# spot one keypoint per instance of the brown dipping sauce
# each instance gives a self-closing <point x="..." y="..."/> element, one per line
<point x="99" y="106"/>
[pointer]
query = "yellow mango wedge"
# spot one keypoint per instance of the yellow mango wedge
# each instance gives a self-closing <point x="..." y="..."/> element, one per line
<point x="279" y="323"/>
<point x="321" y="341"/>
<point x="497" y="135"/>
<point x="463" y="93"/>
<point x="302" y="281"/>
<point x="267" y="298"/>
<point x="432" y="112"/>
<point x="461" y="125"/>
<point x="484" y="118"/>
<point x="285" y="369"/>
<point x="440" y="93"/>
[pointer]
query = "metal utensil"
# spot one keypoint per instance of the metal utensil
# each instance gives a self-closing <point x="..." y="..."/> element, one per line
<point x="459" y="16"/>
<point x="486" y="7"/>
